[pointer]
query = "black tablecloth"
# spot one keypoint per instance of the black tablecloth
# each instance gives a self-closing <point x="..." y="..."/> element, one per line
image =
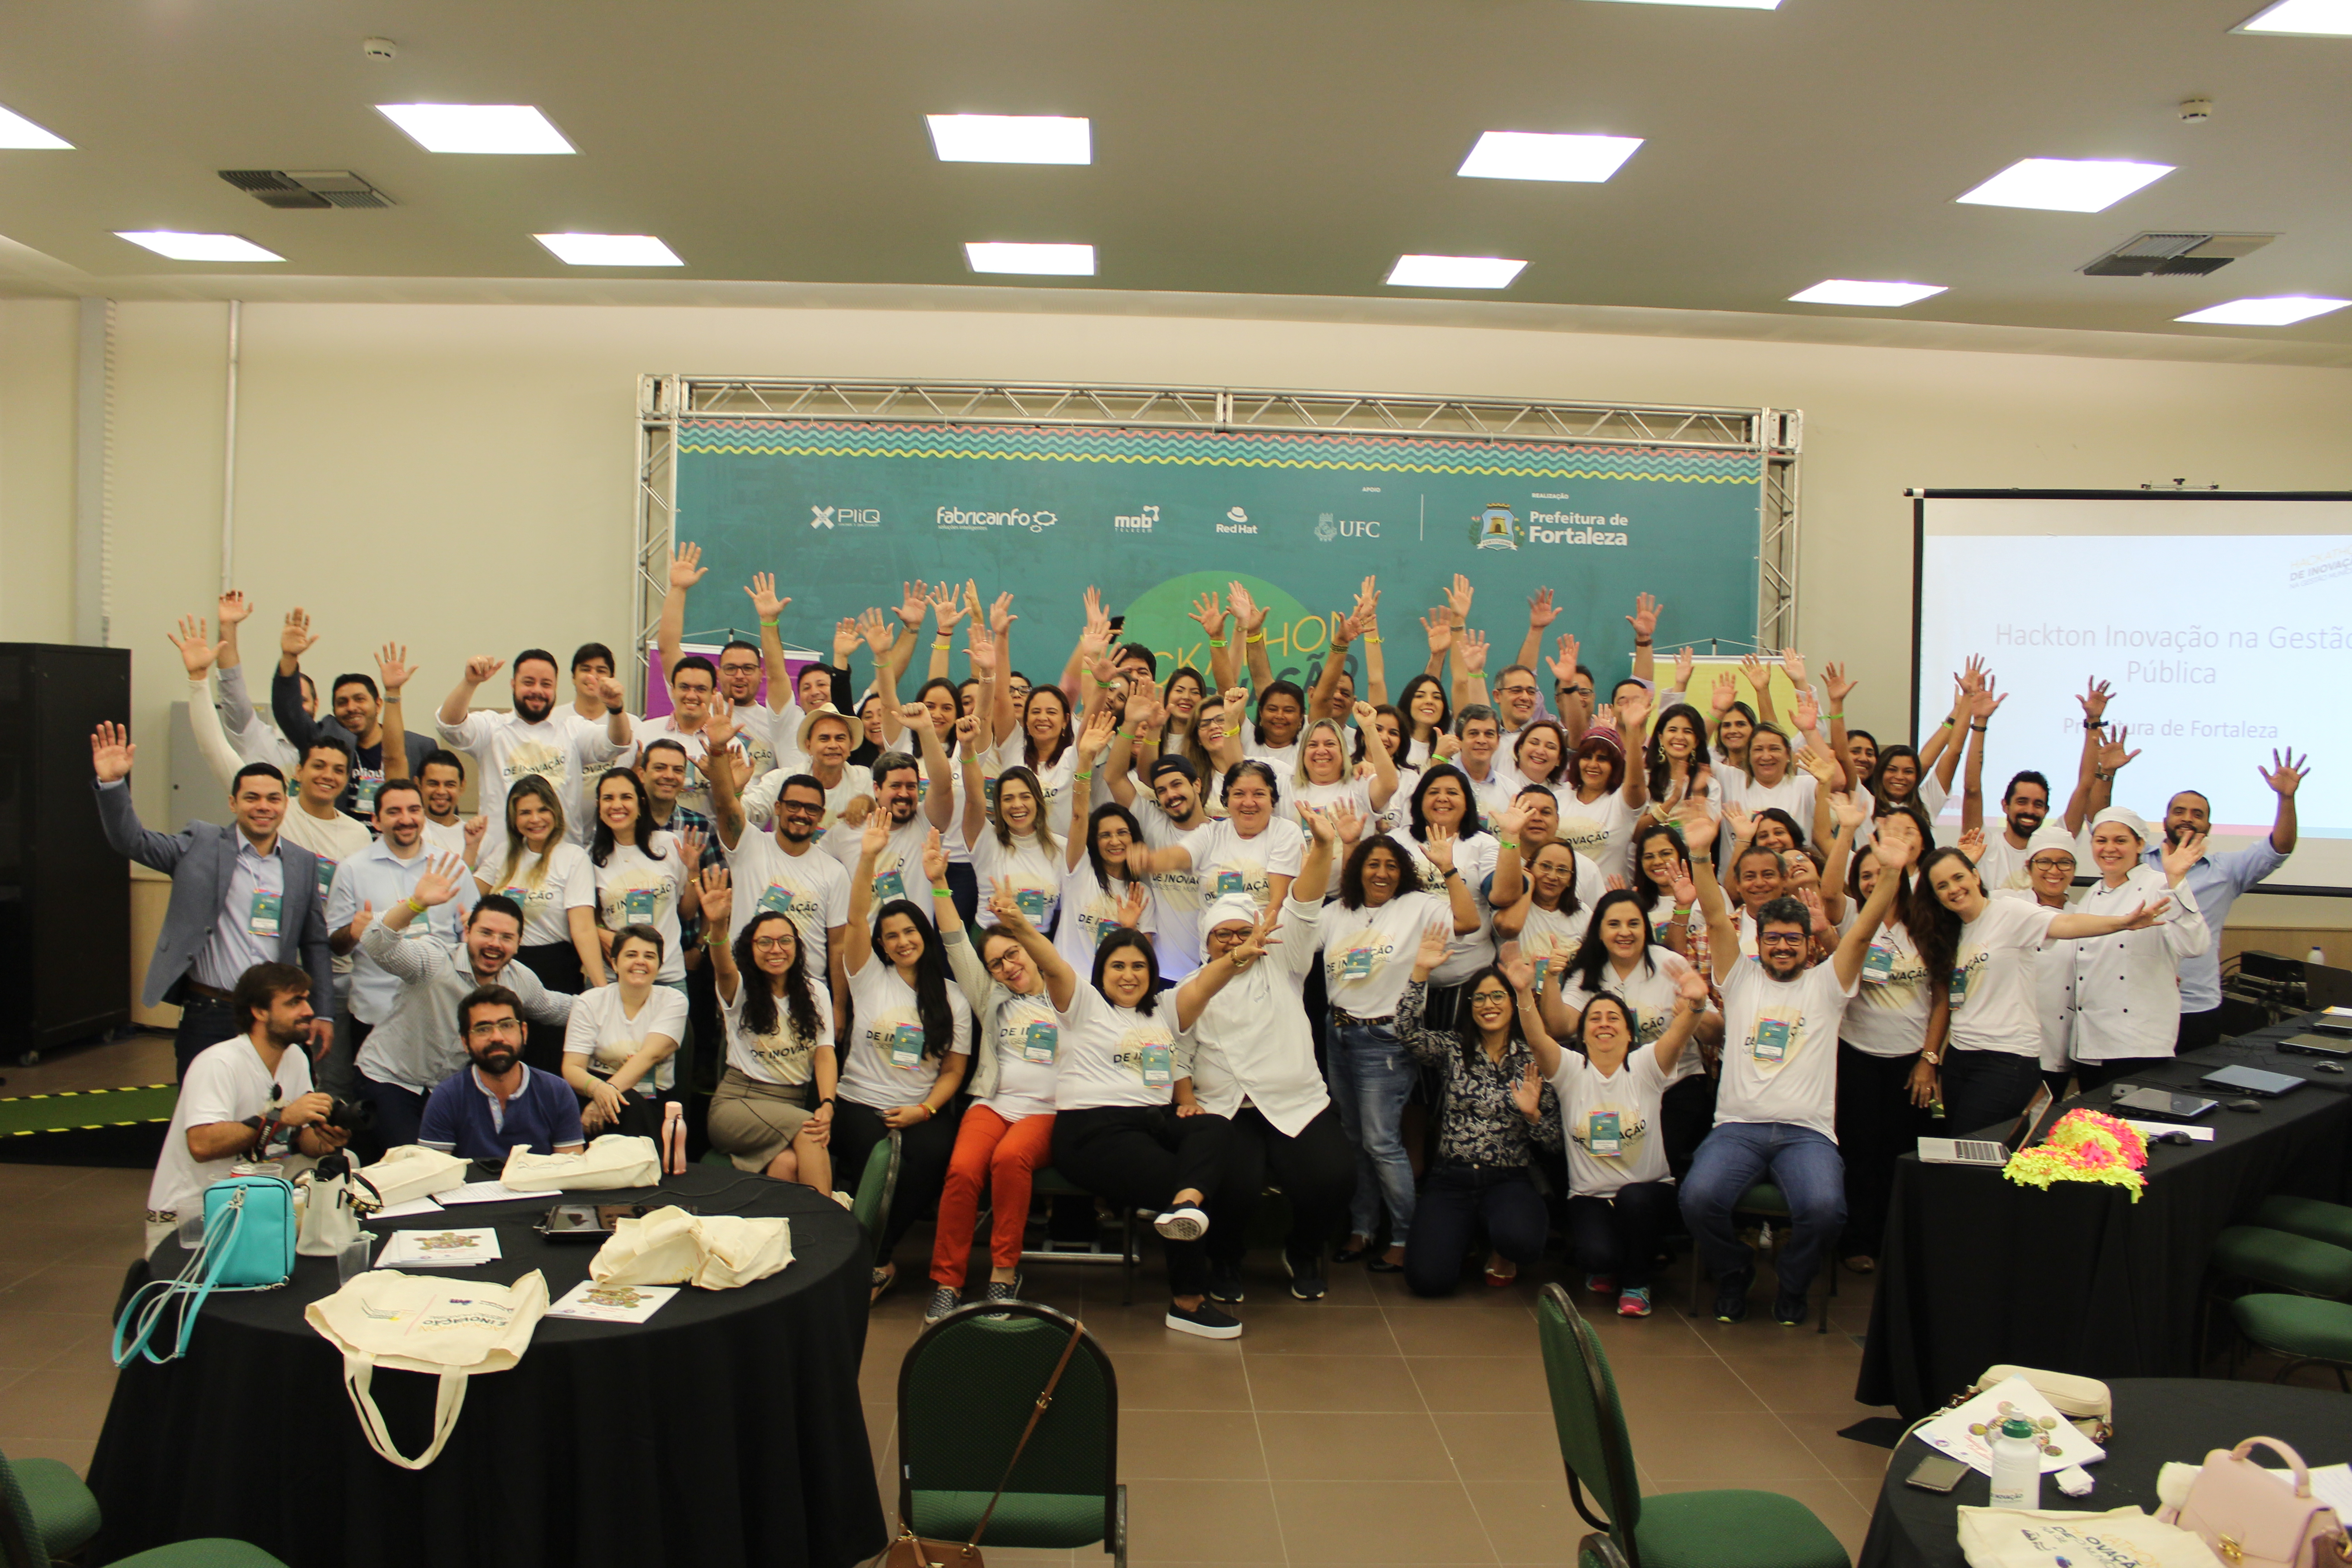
<point x="726" y="1429"/>
<point x="1977" y="1271"/>
<point x="2157" y="1420"/>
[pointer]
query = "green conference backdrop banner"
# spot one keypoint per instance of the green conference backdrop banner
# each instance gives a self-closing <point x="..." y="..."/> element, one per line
<point x="844" y="511"/>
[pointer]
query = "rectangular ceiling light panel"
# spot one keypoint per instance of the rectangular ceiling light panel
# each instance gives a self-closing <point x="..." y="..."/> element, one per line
<point x="16" y="131"/>
<point x="2065" y="184"/>
<point x="2301" y="18"/>
<point x="609" y="249"/>
<point x="1011" y="138"/>
<point x="1453" y="272"/>
<point x="476" y="127"/>
<point x="2283" y="311"/>
<point x="1539" y="155"/>
<point x="183" y="246"/>
<point x="1049" y="261"/>
<point x="1854" y="291"/>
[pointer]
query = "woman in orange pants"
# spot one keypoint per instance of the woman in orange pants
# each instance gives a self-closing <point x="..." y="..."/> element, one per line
<point x="1008" y="1130"/>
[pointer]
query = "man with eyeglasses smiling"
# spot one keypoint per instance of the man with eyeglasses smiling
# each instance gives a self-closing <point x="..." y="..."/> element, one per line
<point x="500" y="1101"/>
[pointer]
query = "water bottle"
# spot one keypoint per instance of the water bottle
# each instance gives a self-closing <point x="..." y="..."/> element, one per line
<point x="2316" y="956"/>
<point x="2016" y="1465"/>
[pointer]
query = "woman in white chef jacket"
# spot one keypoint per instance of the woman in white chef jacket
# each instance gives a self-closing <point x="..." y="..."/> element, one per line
<point x="2126" y="1012"/>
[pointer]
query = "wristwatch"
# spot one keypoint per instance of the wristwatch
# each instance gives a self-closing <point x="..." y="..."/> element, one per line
<point x="1932" y="1058"/>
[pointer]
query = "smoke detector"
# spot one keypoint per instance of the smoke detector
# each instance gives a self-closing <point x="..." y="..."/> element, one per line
<point x="2175" y="255"/>
<point x="300" y="188"/>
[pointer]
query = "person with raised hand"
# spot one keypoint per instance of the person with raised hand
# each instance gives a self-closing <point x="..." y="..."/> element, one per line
<point x="253" y="735"/>
<point x="1572" y="689"/>
<point x="1446" y="837"/>
<point x="1167" y="809"/>
<point x="1978" y="949"/>
<point x="909" y="1047"/>
<point x="2127" y="986"/>
<point x="551" y="878"/>
<point x="240" y="896"/>
<point x="1497" y="1110"/>
<point x="420" y="1043"/>
<point x="644" y="875"/>
<point x="532" y="740"/>
<point x="1325" y="778"/>
<point x="620" y="1040"/>
<point x="1096" y="889"/>
<point x="1126" y="1127"/>
<point x="1253" y="1063"/>
<point x="1369" y="935"/>
<point x="357" y="726"/>
<point x="773" y="1109"/>
<point x="1612" y="1108"/>
<point x="1252" y="849"/>
<point x="1775" y="1110"/>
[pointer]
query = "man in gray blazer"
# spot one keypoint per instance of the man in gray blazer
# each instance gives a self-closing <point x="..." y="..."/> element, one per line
<point x="240" y="896"/>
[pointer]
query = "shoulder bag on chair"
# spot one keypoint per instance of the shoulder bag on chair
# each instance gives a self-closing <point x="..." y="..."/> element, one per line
<point x="451" y="1327"/>
<point x="2258" y="1518"/>
<point x="911" y="1551"/>
<point x="248" y="1245"/>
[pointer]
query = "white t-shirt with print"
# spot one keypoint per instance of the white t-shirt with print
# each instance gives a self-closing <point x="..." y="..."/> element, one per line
<point x="1888" y="1015"/>
<point x="566" y="753"/>
<point x="1995" y="1007"/>
<point x="1090" y="908"/>
<point x="634" y="889"/>
<point x="898" y="869"/>
<point x="1549" y="939"/>
<point x="1600" y="832"/>
<point x="570" y="883"/>
<point x="1175" y="895"/>
<point x="1368" y="952"/>
<point x="810" y="889"/>
<point x="1116" y="1055"/>
<point x="1012" y="752"/>
<point x="601" y="1030"/>
<point x="1474" y="861"/>
<point x="1028" y="1053"/>
<point x="884" y="1066"/>
<point x="781" y="1056"/>
<point x="1618" y="1115"/>
<point x="1226" y="862"/>
<point x="1780" y="1048"/>
<point x="1033" y="871"/>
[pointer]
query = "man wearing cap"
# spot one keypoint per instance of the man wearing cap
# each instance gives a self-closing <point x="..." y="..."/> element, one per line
<point x="2216" y="884"/>
<point x="2127" y="985"/>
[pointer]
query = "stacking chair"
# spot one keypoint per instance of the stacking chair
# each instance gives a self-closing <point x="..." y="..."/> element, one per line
<point x="2313" y="1217"/>
<point x="46" y="1513"/>
<point x="1766" y="1203"/>
<point x="877" y="1184"/>
<point x="966" y="1389"/>
<point x="2304" y="1328"/>
<point x="1670" y="1530"/>
<point x="1049" y="1182"/>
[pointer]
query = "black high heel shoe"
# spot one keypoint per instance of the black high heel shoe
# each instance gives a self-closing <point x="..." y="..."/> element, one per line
<point x="1352" y="1254"/>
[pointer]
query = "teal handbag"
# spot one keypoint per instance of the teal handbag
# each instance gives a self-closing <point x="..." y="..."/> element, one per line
<point x="248" y="1245"/>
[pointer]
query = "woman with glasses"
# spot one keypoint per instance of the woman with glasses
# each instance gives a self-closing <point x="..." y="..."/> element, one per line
<point x="774" y="1107"/>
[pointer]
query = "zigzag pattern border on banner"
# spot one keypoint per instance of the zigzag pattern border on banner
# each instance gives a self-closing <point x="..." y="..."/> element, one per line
<point x="1376" y="453"/>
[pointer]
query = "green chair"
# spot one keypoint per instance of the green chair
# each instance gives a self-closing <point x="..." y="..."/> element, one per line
<point x="2312" y="1217"/>
<point x="1049" y="1182"/>
<point x="1768" y="1203"/>
<point x="2282" y="1260"/>
<point x="2302" y="1329"/>
<point x="1670" y="1530"/>
<point x="50" y="1514"/>
<point x="966" y="1389"/>
<point x="877" y="1184"/>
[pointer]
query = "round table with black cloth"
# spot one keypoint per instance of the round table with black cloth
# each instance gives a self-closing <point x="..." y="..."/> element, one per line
<point x="2157" y="1419"/>
<point x="726" y="1429"/>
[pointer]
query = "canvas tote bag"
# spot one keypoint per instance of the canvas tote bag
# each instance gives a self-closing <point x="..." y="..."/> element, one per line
<point x="453" y="1328"/>
<point x="671" y="1246"/>
<point x="613" y="1162"/>
<point x="2047" y="1538"/>
<point x="412" y="1172"/>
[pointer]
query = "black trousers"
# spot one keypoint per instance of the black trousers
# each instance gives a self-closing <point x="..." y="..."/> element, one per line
<point x="1141" y="1156"/>
<point x="2198" y="1029"/>
<point x="1986" y="1089"/>
<point x="1877" y="1124"/>
<point x="556" y="966"/>
<point x="1456" y="1203"/>
<point x="1315" y="1171"/>
<point x="399" y="1114"/>
<point x="963" y="891"/>
<point x="204" y="1022"/>
<point x="1619" y="1235"/>
<point x="1686" y="1116"/>
<point x="924" y="1150"/>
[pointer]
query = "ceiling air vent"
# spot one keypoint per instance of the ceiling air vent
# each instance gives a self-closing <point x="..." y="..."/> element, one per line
<point x="306" y="187"/>
<point x="2175" y="255"/>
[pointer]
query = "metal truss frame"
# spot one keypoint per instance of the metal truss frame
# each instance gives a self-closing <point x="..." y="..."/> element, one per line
<point x="1774" y="433"/>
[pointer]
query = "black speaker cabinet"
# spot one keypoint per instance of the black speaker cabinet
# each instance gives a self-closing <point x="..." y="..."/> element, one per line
<point x="64" y="896"/>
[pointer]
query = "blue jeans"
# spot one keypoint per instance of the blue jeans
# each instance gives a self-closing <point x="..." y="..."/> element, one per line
<point x="1370" y="1074"/>
<point x="1801" y="1162"/>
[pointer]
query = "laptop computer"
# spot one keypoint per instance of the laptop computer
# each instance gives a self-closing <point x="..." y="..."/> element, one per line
<point x="2254" y="1081"/>
<point x="1984" y="1151"/>
<point x="2317" y="1045"/>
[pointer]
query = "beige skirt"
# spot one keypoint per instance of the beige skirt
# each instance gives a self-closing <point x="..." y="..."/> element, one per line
<point x="751" y="1122"/>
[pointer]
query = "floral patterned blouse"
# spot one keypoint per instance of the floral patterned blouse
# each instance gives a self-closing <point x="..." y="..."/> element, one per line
<point x="1481" y="1125"/>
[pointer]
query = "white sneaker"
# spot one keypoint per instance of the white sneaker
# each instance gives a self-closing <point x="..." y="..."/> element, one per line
<point x="1183" y="1223"/>
<point x="845" y="1200"/>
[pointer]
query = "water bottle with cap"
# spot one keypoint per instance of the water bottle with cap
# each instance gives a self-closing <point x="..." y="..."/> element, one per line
<point x="2016" y="1464"/>
<point x="2316" y="956"/>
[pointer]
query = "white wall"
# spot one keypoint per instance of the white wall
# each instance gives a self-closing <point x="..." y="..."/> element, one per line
<point x="458" y="476"/>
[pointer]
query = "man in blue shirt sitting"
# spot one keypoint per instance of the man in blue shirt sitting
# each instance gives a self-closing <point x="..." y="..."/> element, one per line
<point x="498" y="1102"/>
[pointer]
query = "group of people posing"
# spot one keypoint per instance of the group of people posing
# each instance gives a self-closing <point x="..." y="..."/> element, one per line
<point x="1450" y="970"/>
